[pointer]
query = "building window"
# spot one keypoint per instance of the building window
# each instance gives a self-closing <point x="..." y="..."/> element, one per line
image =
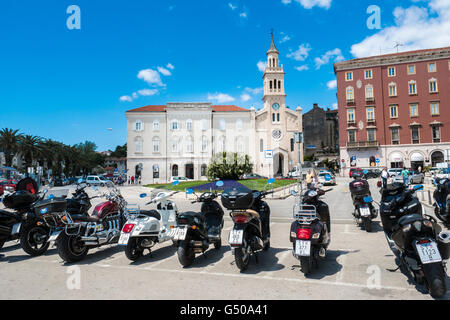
<point x="189" y="125"/>
<point x="369" y="92"/>
<point x="278" y="117"/>
<point x="370" y="113"/>
<point x="436" y="134"/>
<point x="222" y="124"/>
<point x="415" y="135"/>
<point x="273" y="117"/>
<point x="349" y="76"/>
<point x="371" y="135"/>
<point x="270" y="84"/>
<point x="261" y="145"/>
<point x="138" y="125"/>
<point x="433" y="85"/>
<point x="350" y="95"/>
<point x="412" y="69"/>
<point x="190" y="145"/>
<point x="239" y="124"/>
<point x="368" y="74"/>
<point x="393" y="111"/>
<point x="156" y="125"/>
<point x="174" y="146"/>
<point x="240" y="145"/>
<point x="138" y="145"/>
<point x="351" y="136"/>
<point x="432" y="67"/>
<point x="175" y="170"/>
<point x="203" y="170"/>
<point x="412" y="85"/>
<point x="391" y="72"/>
<point x="175" y="125"/>
<point x="292" y="145"/>
<point x="395" y="136"/>
<point x="155" y="171"/>
<point x="351" y="115"/>
<point x="413" y="110"/>
<point x="392" y="89"/>
<point x="204" y="124"/>
<point x="204" y="144"/>
<point x="279" y="85"/>
<point x="434" y="108"/>
<point x="156" y="143"/>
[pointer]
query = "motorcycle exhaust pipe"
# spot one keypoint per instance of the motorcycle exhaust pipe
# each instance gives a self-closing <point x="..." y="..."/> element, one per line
<point x="444" y="244"/>
<point x="146" y="243"/>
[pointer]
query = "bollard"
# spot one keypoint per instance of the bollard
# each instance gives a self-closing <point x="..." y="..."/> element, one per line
<point x="429" y="198"/>
<point x="423" y="195"/>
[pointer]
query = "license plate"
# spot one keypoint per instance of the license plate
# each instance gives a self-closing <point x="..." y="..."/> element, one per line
<point x="15" y="229"/>
<point x="365" y="212"/>
<point x="124" y="237"/>
<point x="180" y="233"/>
<point x="303" y="248"/>
<point x="428" y="252"/>
<point x="236" y="237"/>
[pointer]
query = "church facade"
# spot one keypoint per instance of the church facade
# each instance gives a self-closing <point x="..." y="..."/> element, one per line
<point x="180" y="139"/>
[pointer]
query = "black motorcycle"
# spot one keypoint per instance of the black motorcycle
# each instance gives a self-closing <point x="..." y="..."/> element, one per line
<point x="251" y="217"/>
<point x="415" y="237"/>
<point x="364" y="211"/>
<point x="24" y="223"/>
<point x="310" y="232"/>
<point x="196" y="231"/>
<point x="442" y="199"/>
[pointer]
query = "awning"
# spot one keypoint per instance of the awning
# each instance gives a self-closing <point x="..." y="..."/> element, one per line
<point x="417" y="157"/>
<point x="396" y="157"/>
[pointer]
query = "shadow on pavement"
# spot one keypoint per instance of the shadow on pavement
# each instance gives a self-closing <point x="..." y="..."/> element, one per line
<point x="267" y="261"/>
<point x="160" y="253"/>
<point x="210" y="257"/>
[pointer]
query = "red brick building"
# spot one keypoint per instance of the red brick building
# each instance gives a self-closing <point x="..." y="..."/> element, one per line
<point x="394" y="109"/>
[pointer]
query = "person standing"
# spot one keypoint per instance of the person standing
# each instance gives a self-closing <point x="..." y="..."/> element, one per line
<point x="384" y="177"/>
<point x="405" y="174"/>
<point x="308" y="179"/>
<point x="132" y="179"/>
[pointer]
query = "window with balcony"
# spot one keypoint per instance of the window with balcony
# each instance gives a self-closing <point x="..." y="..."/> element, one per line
<point x="352" y="136"/>
<point x="436" y="134"/>
<point x="413" y="110"/>
<point x="370" y="113"/>
<point x="392" y="89"/>
<point x="433" y="85"/>
<point x="349" y="76"/>
<point x="412" y="87"/>
<point x="415" y="135"/>
<point x="175" y="125"/>
<point x="391" y="72"/>
<point x="432" y="67"/>
<point x="434" y="108"/>
<point x="412" y="69"/>
<point x="350" y="94"/>
<point x="351" y="115"/>
<point x="371" y="135"/>
<point x="368" y="74"/>
<point x="395" y="136"/>
<point x="369" y="92"/>
<point x="393" y="111"/>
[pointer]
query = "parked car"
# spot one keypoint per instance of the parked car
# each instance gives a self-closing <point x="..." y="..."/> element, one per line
<point x="372" y="173"/>
<point x="253" y="176"/>
<point x="97" y="181"/>
<point x="181" y="179"/>
<point x="7" y="185"/>
<point x="393" y="172"/>
<point x="352" y="170"/>
<point x="416" y="177"/>
<point x="58" y="182"/>
<point x="326" y="178"/>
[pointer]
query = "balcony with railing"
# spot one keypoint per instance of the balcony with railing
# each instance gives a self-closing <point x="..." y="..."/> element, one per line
<point x="363" y="145"/>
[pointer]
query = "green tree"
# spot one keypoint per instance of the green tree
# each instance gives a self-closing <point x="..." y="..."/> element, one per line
<point x="228" y="166"/>
<point x="29" y="148"/>
<point x="9" y="144"/>
<point x="120" y="152"/>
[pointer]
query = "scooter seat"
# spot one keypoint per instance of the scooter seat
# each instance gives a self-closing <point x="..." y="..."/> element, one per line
<point x="411" y="218"/>
<point x="152" y="213"/>
<point x="85" y="218"/>
<point x="198" y="215"/>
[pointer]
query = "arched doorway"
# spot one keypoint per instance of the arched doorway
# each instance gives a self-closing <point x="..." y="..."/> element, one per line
<point x="437" y="157"/>
<point x="190" y="171"/>
<point x="138" y="170"/>
<point x="278" y="163"/>
<point x="175" y="170"/>
<point x="417" y="161"/>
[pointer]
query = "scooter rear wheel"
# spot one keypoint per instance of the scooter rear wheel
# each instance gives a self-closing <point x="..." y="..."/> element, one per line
<point x="306" y="265"/>
<point x="435" y="279"/>
<point x="367" y="224"/>
<point x="242" y="257"/>
<point x="30" y="243"/>
<point x="132" y="250"/>
<point x="218" y="244"/>
<point x="186" y="254"/>
<point x="71" y="248"/>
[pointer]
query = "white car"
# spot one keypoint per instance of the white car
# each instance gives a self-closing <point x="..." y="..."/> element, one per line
<point x="322" y="177"/>
<point x="393" y="172"/>
<point x="97" y="181"/>
<point x="181" y="179"/>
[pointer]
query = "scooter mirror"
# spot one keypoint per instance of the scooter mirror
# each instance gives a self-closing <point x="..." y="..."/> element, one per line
<point x="142" y="195"/>
<point x="271" y="181"/>
<point x="80" y="180"/>
<point x="219" y="183"/>
<point x="175" y="183"/>
<point x="190" y="191"/>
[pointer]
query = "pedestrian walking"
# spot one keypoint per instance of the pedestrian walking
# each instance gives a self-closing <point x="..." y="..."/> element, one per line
<point x="405" y="174"/>
<point x="384" y="177"/>
<point x="132" y="179"/>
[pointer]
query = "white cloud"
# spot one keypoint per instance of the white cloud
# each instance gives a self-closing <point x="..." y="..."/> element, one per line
<point x="126" y="98"/>
<point x="170" y="66"/>
<point x="325" y="59"/>
<point x="309" y="4"/>
<point x="301" y="54"/>
<point x="150" y="76"/>
<point x="232" y="7"/>
<point x="261" y="65"/>
<point x="302" y="68"/>
<point x="243" y="15"/>
<point x="334" y="106"/>
<point x="415" y="28"/>
<point x="164" y="71"/>
<point x="245" y="97"/>
<point x="220" y="97"/>
<point x="285" y="39"/>
<point x="148" y="92"/>
<point x="254" y="91"/>
<point x="332" y="84"/>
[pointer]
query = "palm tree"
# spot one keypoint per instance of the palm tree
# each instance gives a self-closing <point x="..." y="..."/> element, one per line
<point x="9" y="144"/>
<point x="29" y="148"/>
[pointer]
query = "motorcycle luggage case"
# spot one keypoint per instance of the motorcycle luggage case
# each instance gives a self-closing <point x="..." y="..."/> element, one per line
<point x="237" y="199"/>
<point x="52" y="205"/>
<point x="359" y="187"/>
<point x="390" y="218"/>
<point x="19" y="200"/>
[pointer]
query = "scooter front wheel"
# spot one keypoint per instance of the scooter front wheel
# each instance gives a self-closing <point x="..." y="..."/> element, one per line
<point x="186" y="254"/>
<point x="132" y="250"/>
<point x="71" y="248"/>
<point x="34" y="240"/>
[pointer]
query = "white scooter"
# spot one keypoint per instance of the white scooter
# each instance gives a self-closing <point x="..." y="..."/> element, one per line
<point x="144" y="229"/>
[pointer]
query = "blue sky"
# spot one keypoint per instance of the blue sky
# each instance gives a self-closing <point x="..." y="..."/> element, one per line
<point x="72" y="85"/>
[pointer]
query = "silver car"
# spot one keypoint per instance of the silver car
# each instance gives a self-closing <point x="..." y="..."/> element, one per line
<point x="413" y="178"/>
